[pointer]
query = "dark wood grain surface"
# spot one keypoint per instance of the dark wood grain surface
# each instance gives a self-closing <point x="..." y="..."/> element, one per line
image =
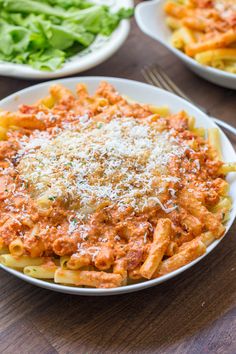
<point x="193" y="313"/>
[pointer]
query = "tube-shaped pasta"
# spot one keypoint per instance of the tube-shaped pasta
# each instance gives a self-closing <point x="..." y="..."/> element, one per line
<point x="29" y="121"/>
<point x="187" y="35"/>
<point x="78" y="261"/>
<point x="231" y="68"/>
<point x="207" y="238"/>
<point x="191" y="122"/>
<point x="3" y="247"/>
<point x="82" y="91"/>
<point x="3" y="250"/>
<point x="88" y="278"/>
<point x="40" y="272"/>
<point x="223" y="208"/>
<point x="177" y="40"/>
<point x="163" y="111"/>
<point x="161" y="240"/>
<point x="191" y="224"/>
<point x="228" y="167"/>
<point x="173" y="22"/>
<point x="194" y="207"/>
<point x="175" y="10"/>
<point x="222" y="186"/>
<point x="214" y="141"/>
<point x="63" y="261"/>
<point x="47" y="101"/>
<point x="134" y="274"/>
<point x="104" y="259"/>
<point x="16" y="247"/>
<point x="191" y="251"/>
<point x="120" y="267"/>
<point x="216" y="55"/>
<point x="219" y="41"/>
<point x="195" y="23"/>
<point x="218" y="64"/>
<point x="171" y="249"/>
<point x="59" y="92"/>
<point x="45" y="201"/>
<point x="3" y="133"/>
<point x="20" y="262"/>
<point x="200" y="132"/>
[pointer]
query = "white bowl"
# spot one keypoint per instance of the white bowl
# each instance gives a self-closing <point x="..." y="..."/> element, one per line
<point x="99" y="51"/>
<point x="142" y="93"/>
<point x="150" y="17"/>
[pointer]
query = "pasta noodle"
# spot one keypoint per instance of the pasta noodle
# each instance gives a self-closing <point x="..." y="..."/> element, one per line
<point x="205" y="31"/>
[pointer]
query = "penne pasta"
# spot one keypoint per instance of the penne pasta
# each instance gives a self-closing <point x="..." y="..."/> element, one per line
<point x="200" y="132"/>
<point x="173" y="22"/>
<point x="228" y="167"/>
<point x="161" y="240"/>
<point x="16" y="247"/>
<point x="220" y="55"/>
<point x="201" y="32"/>
<point x="163" y="111"/>
<point x="88" y="278"/>
<point x="177" y="40"/>
<point x="20" y="262"/>
<point x="59" y="92"/>
<point x="120" y="267"/>
<point x="77" y="261"/>
<point x="191" y="123"/>
<point x="214" y="141"/>
<point x="191" y="251"/>
<point x="3" y="133"/>
<point x="219" y="41"/>
<point x="40" y="271"/>
<point x="63" y="261"/>
<point x="110" y="192"/>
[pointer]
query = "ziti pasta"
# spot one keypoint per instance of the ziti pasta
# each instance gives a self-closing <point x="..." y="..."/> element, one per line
<point x="204" y="30"/>
<point x="100" y="191"/>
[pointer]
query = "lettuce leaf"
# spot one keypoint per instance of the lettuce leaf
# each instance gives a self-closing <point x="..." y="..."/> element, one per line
<point x="45" y="33"/>
<point x="14" y="39"/>
<point x="48" y="60"/>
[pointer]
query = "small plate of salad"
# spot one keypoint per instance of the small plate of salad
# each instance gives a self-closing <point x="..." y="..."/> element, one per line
<point x="52" y="38"/>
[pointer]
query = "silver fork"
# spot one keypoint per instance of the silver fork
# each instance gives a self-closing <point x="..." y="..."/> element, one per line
<point x="156" y="76"/>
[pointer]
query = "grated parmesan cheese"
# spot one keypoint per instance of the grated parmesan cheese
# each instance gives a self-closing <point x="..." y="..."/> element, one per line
<point x="122" y="162"/>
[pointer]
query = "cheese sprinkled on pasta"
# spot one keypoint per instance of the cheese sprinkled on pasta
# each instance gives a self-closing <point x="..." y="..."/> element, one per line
<point x="124" y="162"/>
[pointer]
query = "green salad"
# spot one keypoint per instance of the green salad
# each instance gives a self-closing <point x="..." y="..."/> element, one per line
<point x="45" y="33"/>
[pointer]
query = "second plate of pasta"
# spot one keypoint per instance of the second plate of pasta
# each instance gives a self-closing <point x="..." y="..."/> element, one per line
<point x="108" y="190"/>
<point x="203" y="41"/>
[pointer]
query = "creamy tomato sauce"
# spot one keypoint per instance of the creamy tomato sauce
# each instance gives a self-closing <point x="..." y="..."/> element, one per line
<point x="92" y="176"/>
<point x="219" y="15"/>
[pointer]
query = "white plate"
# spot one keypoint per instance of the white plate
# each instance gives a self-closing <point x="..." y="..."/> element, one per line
<point x="101" y="49"/>
<point x="150" y="17"/>
<point x="146" y="94"/>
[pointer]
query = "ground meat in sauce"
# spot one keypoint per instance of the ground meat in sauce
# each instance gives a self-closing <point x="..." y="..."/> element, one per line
<point x="124" y="231"/>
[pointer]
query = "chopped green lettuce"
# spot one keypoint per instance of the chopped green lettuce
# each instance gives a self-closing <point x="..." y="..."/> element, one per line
<point x="45" y="33"/>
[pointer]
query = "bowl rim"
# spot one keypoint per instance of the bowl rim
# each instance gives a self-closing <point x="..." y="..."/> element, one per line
<point x="147" y="283"/>
<point x="190" y="61"/>
<point x="78" y="64"/>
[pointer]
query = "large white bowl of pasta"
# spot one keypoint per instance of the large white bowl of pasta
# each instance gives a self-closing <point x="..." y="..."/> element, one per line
<point x="176" y="28"/>
<point x="125" y="234"/>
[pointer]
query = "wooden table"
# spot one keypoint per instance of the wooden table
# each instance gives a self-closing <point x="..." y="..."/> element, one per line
<point x="193" y="313"/>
